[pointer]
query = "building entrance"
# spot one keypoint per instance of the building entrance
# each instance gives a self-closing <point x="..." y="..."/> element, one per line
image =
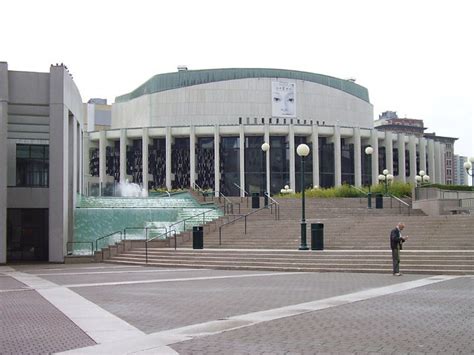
<point x="27" y="234"/>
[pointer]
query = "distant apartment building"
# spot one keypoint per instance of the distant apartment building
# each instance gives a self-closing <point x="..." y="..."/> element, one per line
<point x="390" y="122"/>
<point x="460" y="175"/>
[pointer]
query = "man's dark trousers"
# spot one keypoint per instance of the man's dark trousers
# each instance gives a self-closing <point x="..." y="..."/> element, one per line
<point x="396" y="260"/>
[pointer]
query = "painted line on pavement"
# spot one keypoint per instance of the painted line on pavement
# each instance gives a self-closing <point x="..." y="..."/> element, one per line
<point x="101" y="325"/>
<point x="203" y="278"/>
<point x="115" y="272"/>
<point x="153" y="343"/>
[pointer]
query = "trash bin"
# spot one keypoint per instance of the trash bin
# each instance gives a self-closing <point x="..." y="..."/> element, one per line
<point x="317" y="236"/>
<point x="378" y="201"/>
<point x="255" y="200"/>
<point x="198" y="238"/>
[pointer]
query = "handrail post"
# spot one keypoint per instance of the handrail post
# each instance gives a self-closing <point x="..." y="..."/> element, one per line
<point x="175" y="240"/>
<point x="146" y="251"/>
<point x="245" y="218"/>
<point x="220" y="237"/>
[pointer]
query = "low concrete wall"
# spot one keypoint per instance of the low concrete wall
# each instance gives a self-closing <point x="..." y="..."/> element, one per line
<point x="79" y="259"/>
<point x="436" y="207"/>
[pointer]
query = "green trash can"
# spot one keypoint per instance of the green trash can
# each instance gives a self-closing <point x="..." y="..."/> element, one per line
<point x="255" y="200"/>
<point x="198" y="237"/>
<point x="378" y="201"/>
<point x="317" y="236"/>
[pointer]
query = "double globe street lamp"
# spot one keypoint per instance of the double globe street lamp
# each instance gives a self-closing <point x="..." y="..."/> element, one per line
<point x="422" y="178"/>
<point x="303" y="150"/>
<point x="468" y="166"/>
<point x="386" y="178"/>
<point x="368" y="152"/>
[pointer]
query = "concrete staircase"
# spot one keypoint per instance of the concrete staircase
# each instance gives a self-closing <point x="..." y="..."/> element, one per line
<point x="356" y="239"/>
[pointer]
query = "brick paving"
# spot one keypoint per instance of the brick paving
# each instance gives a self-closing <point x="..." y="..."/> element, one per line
<point x="437" y="318"/>
<point x="31" y="325"/>
<point x="156" y="307"/>
<point x="431" y="319"/>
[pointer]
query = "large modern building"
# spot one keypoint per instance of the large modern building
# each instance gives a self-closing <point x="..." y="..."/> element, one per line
<point x="203" y="127"/>
<point x="41" y="139"/>
<point x="208" y="126"/>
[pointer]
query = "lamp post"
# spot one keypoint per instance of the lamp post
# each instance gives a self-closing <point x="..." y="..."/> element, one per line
<point x="421" y="178"/>
<point x="468" y="166"/>
<point x="386" y="178"/>
<point x="303" y="151"/>
<point x="369" y="151"/>
<point x="286" y="190"/>
<point x="265" y="149"/>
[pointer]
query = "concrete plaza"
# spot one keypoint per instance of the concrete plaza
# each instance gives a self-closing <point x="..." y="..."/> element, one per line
<point x="111" y="309"/>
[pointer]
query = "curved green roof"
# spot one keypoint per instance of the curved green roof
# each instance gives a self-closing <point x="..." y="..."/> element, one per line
<point x="176" y="80"/>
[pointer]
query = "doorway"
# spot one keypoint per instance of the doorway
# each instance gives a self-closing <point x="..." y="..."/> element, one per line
<point x="27" y="234"/>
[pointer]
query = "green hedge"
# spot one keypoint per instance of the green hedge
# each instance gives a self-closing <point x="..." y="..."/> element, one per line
<point x="452" y="187"/>
<point x="398" y="189"/>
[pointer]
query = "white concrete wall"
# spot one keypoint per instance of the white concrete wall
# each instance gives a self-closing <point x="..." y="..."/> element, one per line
<point x="3" y="158"/>
<point x="225" y="101"/>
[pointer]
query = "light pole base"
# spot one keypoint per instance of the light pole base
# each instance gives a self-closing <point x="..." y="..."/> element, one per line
<point x="303" y="245"/>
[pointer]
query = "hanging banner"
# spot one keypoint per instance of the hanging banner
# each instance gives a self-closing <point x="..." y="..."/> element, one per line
<point x="283" y="99"/>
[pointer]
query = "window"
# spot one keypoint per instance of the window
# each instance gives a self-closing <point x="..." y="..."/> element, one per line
<point x="32" y="165"/>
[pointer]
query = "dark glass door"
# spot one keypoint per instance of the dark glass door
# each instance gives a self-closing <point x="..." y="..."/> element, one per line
<point x="27" y="234"/>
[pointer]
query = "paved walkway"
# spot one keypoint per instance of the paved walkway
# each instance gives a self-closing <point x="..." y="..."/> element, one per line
<point x="110" y="309"/>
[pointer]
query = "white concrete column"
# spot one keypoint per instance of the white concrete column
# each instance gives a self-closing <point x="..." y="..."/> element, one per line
<point x="431" y="161"/>
<point x="3" y="158"/>
<point x="412" y="152"/>
<point x="123" y="155"/>
<point x="357" y="157"/>
<point x="401" y="158"/>
<point x="374" y="143"/>
<point x="145" y="143"/>
<point x="75" y="161"/>
<point x="102" y="160"/>
<point x="242" y="159"/>
<point x="168" y="157"/>
<point x="60" y="167"/>
<point x="315" y="154"/>
<point x="337" y="156"/>
<point x="267" y="158"/>
<point x="80" y="157"/>
<point x="217" y="172"/>
<point x="389" y="151"/>
<point x="437" y="152"/>
<point x="291" y="140"/>
<point x="192" y="156"/>
<point x="85" y="163"/>
<point x="422" y="149"/>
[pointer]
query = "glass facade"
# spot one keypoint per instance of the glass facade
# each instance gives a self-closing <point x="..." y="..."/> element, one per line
<point x="326" y="163"/>
<point x="157" y="163"/>
<point x="180" y="164"/>
<point x="279" y="163"/>
<point x="205" y="162"/>
<point x="229" y="166"/>
<point x="32" y="165"/>
<point x="347" y="163"/>
<point x="254" y="165"/>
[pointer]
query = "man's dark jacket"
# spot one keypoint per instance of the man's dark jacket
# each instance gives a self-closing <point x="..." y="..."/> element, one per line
<point x="395" y="238"/>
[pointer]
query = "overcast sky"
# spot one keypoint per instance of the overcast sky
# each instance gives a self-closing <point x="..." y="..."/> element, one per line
<point x="415" y="57"/>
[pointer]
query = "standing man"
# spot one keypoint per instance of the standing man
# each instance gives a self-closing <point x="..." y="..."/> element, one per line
<point x="396" y="241"/>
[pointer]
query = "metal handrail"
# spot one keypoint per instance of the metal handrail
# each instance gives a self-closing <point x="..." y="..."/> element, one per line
<point x="246" y="194"/>
<point x="227" y="203"/>
<point x="361" y="191"/>
<point x="145" y="229"/>
<point x="400" y="203"/>
<point x="158" y="236"/>
<point x="276" y="203"/>
<point x="72" y="252"/>
<point x="107" y="236"/>
<point x="245" y="220"/>
<point x="192" y="217"/>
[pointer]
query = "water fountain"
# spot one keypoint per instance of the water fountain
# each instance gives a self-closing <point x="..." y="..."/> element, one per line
<point x="130" y="189"/>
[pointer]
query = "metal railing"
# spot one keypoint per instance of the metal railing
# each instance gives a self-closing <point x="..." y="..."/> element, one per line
<point x="467" y="203"/>
<point x="165" y="235"/>
<point x="107" y="236"/>
<point x="170" y="227"/>
<point x="244" y="217"/>
<point x="228" y="204"/>
<point x="365" y="194"/>
<point x="427" y="193"/>
<point x="246" y="194"/>
<point x="71" y="251"/>
<point x="274" y="203"/>
<point x="401" y="203"/>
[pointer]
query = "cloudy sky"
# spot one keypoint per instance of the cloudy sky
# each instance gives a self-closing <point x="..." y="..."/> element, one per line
<point x="415" y="57"/>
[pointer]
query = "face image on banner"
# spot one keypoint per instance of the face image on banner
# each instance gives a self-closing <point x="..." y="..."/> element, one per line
<point x="283" y="99"/>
